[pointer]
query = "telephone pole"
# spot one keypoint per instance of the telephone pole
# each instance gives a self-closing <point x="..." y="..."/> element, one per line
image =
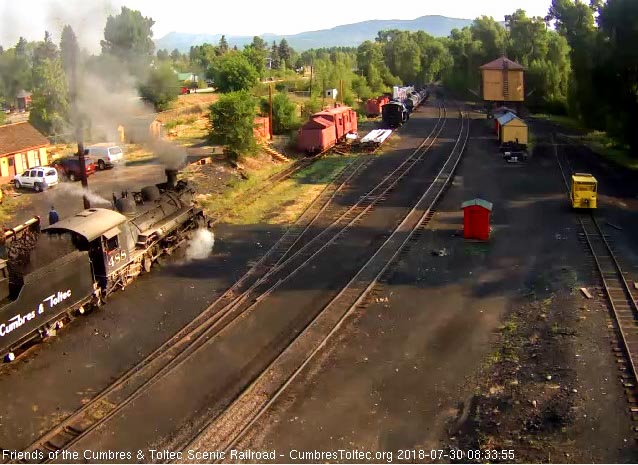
<point x="270" y="111"/>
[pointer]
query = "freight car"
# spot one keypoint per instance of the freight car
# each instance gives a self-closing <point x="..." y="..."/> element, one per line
<point x="374" y="106"/>
<point x="52" y="274"/>
<point x="394" y="114"/>
<point x="326" y="128"/>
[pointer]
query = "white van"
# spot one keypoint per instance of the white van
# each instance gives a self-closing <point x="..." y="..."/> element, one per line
<point x="106" y="155"/>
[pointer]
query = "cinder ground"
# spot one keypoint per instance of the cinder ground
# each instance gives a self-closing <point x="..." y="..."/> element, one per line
<point x="55" y="378"/>
<point x="488" y="347"/>
<point x="226" y="365"/>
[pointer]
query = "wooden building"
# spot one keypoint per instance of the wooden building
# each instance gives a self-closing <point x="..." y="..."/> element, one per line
<point x="512" y="129"/>
<point x="502" y="81"/>
<point x="21" y="147"/>
<point x="262" y="128"/>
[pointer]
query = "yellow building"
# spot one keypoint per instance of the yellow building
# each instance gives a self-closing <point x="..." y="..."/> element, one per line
<point x="21" y="147"/>
<point x="512" y="129"/>
<point x="502" y="81"/>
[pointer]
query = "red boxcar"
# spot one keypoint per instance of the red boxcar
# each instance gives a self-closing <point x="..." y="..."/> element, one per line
<point x="316" y="135"/>
<point x="373" y="106"/>
<point x="326" y="128"/>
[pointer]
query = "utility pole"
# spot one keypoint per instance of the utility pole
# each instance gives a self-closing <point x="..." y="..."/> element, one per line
<point x="270" y="110"/>
<point x="79" y="124"/>
<point x="312" y="68"/>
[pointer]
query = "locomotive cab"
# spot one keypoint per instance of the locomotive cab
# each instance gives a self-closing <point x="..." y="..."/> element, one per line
<point x="100" y="232"/>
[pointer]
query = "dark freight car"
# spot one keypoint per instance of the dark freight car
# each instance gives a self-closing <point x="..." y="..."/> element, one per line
<point x="394" y="114"/>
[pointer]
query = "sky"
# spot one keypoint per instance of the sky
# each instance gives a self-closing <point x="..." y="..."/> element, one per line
<point x="29" y="18"/>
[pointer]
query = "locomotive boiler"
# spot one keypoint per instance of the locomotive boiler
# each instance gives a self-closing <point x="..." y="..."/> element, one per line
<point x="52" y="274"/>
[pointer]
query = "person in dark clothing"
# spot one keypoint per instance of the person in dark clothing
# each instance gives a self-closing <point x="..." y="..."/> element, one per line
<point x="53" y="216"/>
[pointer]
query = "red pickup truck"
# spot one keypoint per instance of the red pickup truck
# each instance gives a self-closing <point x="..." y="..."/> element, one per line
<point x="69" y="168"/>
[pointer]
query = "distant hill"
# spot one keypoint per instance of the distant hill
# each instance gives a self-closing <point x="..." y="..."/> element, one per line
<point x="347" y="35"/>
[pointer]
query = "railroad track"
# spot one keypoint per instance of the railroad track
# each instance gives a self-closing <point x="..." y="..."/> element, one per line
<point x="253" y="287"/>
<point x="621" y="300"/>
<point x="93" y="413"/>
<point x="231" y="426"/>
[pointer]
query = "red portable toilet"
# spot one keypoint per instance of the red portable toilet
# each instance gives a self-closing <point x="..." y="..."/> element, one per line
<point x="476" y="219"/>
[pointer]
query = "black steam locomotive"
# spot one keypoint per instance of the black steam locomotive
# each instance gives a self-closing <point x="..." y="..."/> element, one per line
<point x="52" y="274"/>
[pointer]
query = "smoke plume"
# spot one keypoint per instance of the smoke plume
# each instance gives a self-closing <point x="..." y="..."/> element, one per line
<point x="201" y="245"/>
<point x="86" y="18"/>
<point x="75" y="190"/>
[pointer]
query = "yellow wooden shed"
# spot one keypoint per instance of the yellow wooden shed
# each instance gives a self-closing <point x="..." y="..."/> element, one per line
<point x="502" y="81"/>
<point x="512" y="129"/>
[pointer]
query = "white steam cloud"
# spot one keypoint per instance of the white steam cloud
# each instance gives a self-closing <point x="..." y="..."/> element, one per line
<point x="77" y="191"/>
<point x="201" y="245"/>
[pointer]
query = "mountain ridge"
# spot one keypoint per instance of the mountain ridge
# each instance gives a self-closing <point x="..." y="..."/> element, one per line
<point x="345" y="35"/>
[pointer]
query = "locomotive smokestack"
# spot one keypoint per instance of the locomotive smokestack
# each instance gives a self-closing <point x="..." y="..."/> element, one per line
<point x="171" y="178"/>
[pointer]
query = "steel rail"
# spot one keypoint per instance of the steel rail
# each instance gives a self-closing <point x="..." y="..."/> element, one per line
<point x="621" y="300"/>
<point x="349" y="298"/>
<point x="120" y="393"/>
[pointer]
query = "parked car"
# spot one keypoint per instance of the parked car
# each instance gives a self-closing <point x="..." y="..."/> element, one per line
<point x="106" y="155"/>
<point x="69" y="168"/>
<point x="38" y="178"/>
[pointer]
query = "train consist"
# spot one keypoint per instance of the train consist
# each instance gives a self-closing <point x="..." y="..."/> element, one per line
<point x="396" y="112"/>
<point x="52" y="274"/>
<point x="326" y="128"/>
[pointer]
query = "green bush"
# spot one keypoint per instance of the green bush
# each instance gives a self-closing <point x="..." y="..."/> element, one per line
<point x="232" y="120"/>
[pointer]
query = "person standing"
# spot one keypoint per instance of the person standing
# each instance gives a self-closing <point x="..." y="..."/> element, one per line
<point x="53" y="216"/>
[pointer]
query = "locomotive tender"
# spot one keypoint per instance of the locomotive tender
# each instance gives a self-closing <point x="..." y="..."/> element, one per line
<point x="52" y="274"/>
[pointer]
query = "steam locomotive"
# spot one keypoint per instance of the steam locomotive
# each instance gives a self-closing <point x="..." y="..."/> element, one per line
<point x="52" y="274"/>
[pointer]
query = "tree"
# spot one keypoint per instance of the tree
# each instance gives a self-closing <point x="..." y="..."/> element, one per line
<point x="49" y="108"/>
<point x="162" y="54"/>
<point x="223" y="46"/>
<point x="256" y="59"/>
<point x="21" y="47"/>
<point x="285" y="52"/>
<point x="491" y="36"/>
<point x="161" y="88"/>
<point x="256" y="54"/>
<point x="275" y="60"/>
<point x="176" y="55"/>
<point x="128" y="36"/>
<point x="233" y="72"/>
<point x="284" y="114"/>
<point x="232" y="120"/>
<point x="69" y="48"/>
<point x="15" y="71"/>
<point x="616" y="76"/>
<point x="574" y="20"/>
<point x="259" y="44"/>
<point x="45" y="50"/>
<point x="203" y="55"/>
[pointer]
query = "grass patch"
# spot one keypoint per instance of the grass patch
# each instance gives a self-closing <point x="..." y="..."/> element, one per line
<point x="192" y="132"/>
<point x="598" y="141"/>
<point x="281" y="204"/>
<point x="136" y="154"/>
<point x="10" y="204"/>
